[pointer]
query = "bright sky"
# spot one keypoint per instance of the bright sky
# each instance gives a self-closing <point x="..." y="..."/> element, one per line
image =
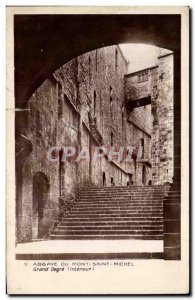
<point x="139" y="56"/>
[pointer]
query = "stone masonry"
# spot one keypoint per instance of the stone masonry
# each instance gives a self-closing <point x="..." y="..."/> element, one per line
<point x="92" y="101"/>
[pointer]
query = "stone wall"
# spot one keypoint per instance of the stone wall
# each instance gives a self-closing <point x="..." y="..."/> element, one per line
<point x="162" y="111"/>
<point x="73" y="108"/>
<point x="139" y="122"/>
<point x="99" y="100"/>
<point x="83" y="105"/>
<point x="43" y="110"/>
<point x="153" y="123"/>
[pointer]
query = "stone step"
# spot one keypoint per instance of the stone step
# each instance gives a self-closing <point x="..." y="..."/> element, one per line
<point x="120" y="201"/>
<point x="95" y="194"/>
<point x="121" y="211"/>
<point x="110" y="231"/>
<point x="111" y="205"/>
<point x="113" y="218"/>
<point x="121" y="206"/>
<point x="107" y="227"/>
<point x="108" y="206"/>
<point x="120" y="190"/>
<point x="126" y="193"/>
<point x="110" y="223"/>
<point x="107" y="237"/>
<point x="124" y="198"/>
<point x="116" y="204"/>
<point x="115" y="215"/>
<point x="113" y="188"/>
<point x="125" y="188"/>
<point x="116" y="211"/>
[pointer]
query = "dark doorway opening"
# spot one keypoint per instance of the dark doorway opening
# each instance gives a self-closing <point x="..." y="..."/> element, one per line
<point x="40" y="203"/>
<point x="144" y="175"/>
<point x="142" y="145"/>
<point x="104" y="179"/>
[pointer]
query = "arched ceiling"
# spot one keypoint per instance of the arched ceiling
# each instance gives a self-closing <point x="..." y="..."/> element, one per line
<point x="45" y="42"/>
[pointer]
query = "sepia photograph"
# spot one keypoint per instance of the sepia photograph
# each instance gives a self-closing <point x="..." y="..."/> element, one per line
<point x="97" y="139"/>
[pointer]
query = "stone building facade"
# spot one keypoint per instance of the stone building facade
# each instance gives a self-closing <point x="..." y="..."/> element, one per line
<point x="149" y="97"/>
<point x="90" y="102"/>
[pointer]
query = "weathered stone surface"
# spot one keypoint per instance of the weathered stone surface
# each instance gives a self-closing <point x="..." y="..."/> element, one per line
<point x="83" y="105"/>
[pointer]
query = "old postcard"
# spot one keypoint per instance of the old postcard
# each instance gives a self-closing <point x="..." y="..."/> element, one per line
<point x="98" y="143"/>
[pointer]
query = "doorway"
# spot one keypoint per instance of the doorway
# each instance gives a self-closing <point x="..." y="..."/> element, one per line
<point x="104" y="179"/>
<point x="40" y="203"/>
<point x="144" y="175"/>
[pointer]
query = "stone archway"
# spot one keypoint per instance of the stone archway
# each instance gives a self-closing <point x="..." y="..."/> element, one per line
<point x="40" y="204"/>
<point x="48" y="37"/>
<point x="49" y="51"/>
<point x="85" y="32"/>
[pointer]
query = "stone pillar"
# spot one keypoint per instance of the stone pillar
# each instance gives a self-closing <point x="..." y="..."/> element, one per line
<point x="172" y="208"/>
<point x="162" y="113"/>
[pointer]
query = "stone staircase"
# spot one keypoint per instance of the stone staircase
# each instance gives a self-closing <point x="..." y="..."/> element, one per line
<point x="110" y="213"/>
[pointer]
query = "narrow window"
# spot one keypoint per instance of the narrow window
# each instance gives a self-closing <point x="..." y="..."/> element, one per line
<point x="111" y="138"/>
<point x="143" y="77"/>
<point x="116" y="60"/>
<point x="111" y="102"/>
<point x="142" y="144"/>
<point x="110" y="95"/>
<point x="143" y="175"/>
<point x="94" y="102"/>
<point x="130" y="179"/>
<point x="122" y="119"/>
<point x="104" y="178"/>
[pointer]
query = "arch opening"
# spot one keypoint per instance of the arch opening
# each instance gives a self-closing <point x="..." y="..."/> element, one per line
<point x="40" y="205"/>
<point x="36" y="66"/>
